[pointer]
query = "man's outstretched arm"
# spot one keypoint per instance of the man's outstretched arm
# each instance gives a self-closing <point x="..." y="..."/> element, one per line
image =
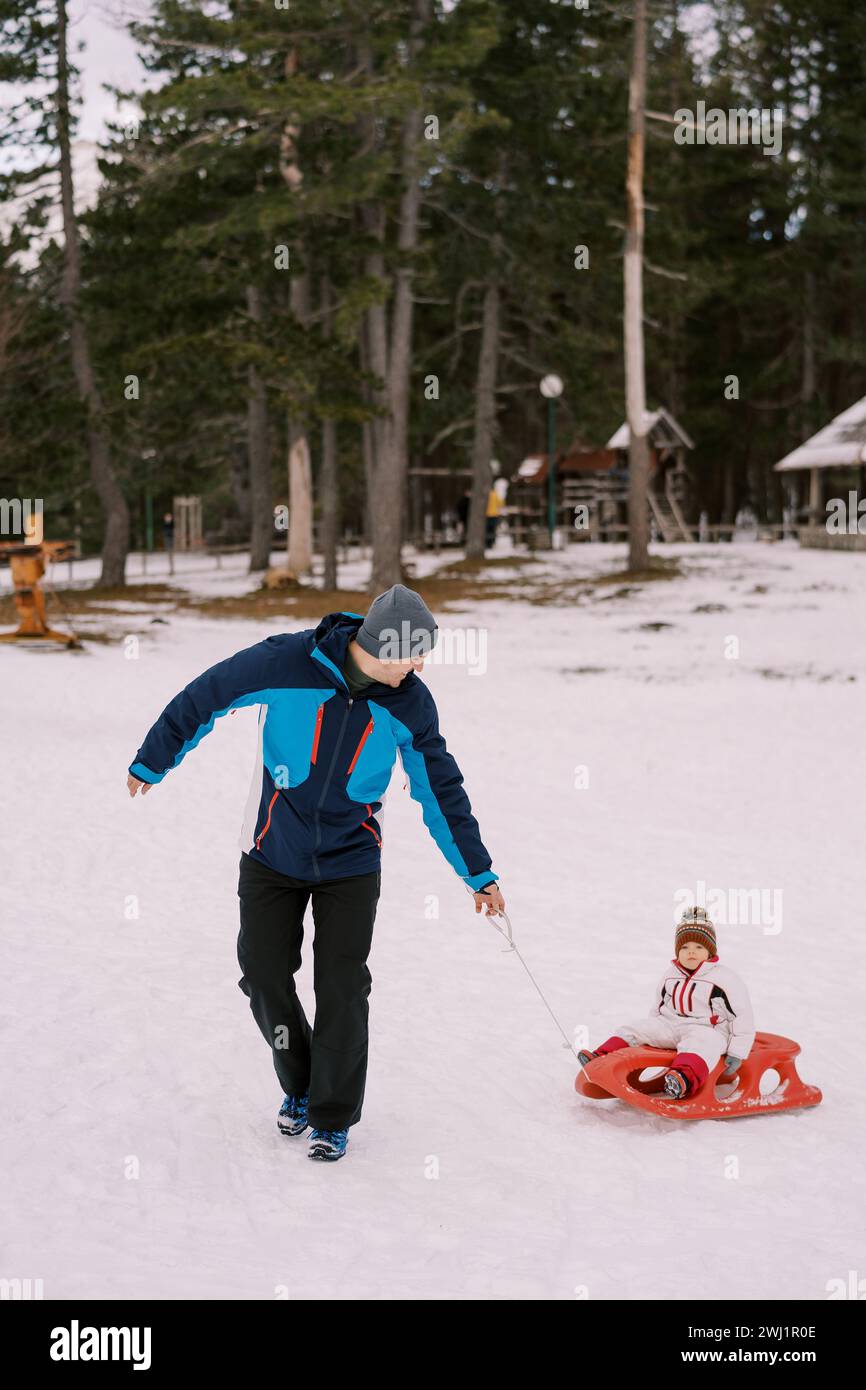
<point x="242" y="679"/>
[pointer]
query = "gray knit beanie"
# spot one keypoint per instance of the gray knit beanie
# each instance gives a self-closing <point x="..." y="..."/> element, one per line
<point x="398" y="626"/>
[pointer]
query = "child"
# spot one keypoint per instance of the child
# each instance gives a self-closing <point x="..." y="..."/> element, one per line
<point x="701" y="1008"/>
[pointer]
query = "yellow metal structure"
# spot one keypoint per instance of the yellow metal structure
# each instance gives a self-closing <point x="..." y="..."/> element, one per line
<point x="27" y="563"/>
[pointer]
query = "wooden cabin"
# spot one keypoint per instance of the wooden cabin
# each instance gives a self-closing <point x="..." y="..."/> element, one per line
<point x="585" y="477"/>
<point x="834" y="461"/>
<point x="592" y="487"/>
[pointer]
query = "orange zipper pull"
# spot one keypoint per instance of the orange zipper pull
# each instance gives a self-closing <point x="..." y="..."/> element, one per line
<point x="319" y="714"/>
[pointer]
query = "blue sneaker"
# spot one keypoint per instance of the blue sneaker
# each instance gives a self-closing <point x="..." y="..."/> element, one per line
<point x="676" y="1085"/>
<point x="292" y="1118"/>
<point x="586" y="1057"/>
<point x="328" y="1145"/>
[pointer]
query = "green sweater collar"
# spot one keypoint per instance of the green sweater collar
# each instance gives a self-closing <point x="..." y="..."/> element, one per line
<point x="356" y="679"/>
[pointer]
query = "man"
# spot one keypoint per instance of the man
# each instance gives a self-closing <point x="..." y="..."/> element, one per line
<point x="338" y="703"/>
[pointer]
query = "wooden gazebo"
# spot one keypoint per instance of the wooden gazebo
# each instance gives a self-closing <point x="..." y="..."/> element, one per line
<point x="669" y="479"/>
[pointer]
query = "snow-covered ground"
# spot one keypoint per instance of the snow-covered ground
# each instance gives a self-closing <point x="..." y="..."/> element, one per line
<point x="210" y="574"/>
<point x="718" y="720"/>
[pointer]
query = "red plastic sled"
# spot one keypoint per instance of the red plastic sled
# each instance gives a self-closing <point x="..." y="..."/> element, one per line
<point x="618" y="1075"/>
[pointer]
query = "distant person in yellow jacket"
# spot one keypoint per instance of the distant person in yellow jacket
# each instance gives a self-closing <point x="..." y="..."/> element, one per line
<point x="494" y="510"/>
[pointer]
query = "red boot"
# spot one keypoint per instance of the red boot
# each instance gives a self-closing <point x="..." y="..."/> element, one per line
<point x="612" y="1045"/>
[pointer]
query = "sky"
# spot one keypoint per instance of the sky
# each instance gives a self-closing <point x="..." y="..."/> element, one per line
<point x="109" y="56"/>
<point x="103" y="51"/>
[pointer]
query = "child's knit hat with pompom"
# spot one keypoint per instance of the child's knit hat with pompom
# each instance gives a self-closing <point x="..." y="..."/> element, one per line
<point x="695" y="925"/>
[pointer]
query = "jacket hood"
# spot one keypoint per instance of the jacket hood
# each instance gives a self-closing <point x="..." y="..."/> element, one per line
<point x="328" y="643"/>
<point x="339" y="625"/>
<point x="331" y="638"/>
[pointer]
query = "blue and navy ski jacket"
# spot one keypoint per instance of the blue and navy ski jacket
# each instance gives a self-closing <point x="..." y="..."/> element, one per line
<point x="324" y="760"/>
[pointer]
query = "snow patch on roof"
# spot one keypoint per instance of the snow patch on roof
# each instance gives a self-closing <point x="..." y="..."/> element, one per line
<point x="842" y="443"/>
<point x="661" y="427"/>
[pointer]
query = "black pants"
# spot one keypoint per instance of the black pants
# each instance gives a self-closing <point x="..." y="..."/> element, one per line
<point x="330" y="1059"/>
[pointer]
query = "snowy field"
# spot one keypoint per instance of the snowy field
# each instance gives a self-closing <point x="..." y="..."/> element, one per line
<point x="212" y="575"/>
<point x="717" y="719"/>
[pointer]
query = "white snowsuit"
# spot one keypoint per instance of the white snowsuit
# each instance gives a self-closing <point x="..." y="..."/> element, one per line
<point x="706" y="1012"/>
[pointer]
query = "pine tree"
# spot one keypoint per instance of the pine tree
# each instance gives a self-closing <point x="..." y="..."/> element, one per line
<point x="40" y="126"/>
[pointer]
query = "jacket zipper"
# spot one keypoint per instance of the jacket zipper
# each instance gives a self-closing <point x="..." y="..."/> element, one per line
<point x="347" y="711"/>
<point x="365" y="735"/>
<point x="367" y="826"/>
<point x="686" y="986"/>
<point x="315" y="749"/>
<point x="267" y="825"/>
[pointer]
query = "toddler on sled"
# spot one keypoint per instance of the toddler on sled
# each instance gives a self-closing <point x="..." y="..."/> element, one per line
<point x="701" y="1009"/>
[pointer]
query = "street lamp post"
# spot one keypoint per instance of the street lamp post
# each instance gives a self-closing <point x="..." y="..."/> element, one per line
<point x="551" y="389"/>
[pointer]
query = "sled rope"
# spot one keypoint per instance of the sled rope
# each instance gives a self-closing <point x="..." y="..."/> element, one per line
<point x="508" y="935"/>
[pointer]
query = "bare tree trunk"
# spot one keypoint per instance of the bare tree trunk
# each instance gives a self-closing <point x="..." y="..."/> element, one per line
<point x="329" y="491"/>
<point x="391" y="467"/>
<point x="367" y="449"/>
<point x="328" y="479"/>
<point x="485" y="418"/>
<point x="300" y="550"/>
<point x="373" y="330"/>
<point x="374" y="344"/>
<point x="300" y="543"/>
<point x="635" y="380"/>
<point x="808" y="380"/>
<point x="807" y="386"/>
<point x="258" y="453"/>
<point x="115" y="544"/>
<point x="729" y="496"/>
<point x="367" y="444"/>
<point x="299" y="557"/>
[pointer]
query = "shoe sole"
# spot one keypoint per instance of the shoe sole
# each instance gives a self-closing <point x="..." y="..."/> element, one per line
<point x="292" y="1133"/>
<point x="324" y="1156"/>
